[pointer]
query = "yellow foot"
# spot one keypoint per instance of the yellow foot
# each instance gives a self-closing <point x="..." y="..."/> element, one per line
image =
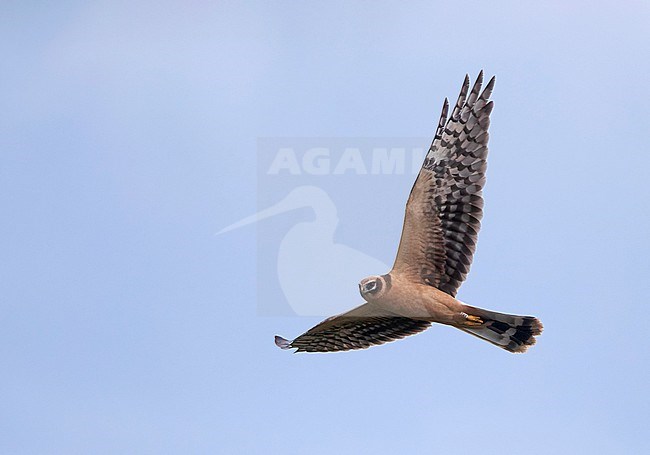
<point x="471" y="321"/>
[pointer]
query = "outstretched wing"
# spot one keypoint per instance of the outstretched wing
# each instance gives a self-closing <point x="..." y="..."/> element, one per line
<point x="445" y="207"/>
<point x="359" y="328"/>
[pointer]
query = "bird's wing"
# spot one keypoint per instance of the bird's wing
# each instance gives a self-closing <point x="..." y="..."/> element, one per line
<point x="445" y="207"/>
<point x="359" y="328"/>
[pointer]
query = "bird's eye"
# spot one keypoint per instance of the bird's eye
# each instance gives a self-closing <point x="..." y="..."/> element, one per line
<point x="370" y="286"/>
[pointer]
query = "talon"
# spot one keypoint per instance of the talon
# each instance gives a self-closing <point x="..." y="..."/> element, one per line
<point x="471" y="320"/>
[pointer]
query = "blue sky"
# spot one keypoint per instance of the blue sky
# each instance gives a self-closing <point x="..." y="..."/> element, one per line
<point x="129" y="136"/>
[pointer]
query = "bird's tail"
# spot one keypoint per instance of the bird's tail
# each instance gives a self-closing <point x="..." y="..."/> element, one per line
<point x="508" y="331"/>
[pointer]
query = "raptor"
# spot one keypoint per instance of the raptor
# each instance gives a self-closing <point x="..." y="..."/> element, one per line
<point x="441" y="224"/>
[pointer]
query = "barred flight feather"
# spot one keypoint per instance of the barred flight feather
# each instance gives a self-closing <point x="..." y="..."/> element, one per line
<point x="447" y="195"/>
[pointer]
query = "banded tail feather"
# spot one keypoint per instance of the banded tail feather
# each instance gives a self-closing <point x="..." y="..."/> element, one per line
<point x="508" y="331"/>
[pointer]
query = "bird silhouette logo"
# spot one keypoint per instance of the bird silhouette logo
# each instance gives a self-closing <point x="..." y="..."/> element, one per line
<point x="314" y="271"/>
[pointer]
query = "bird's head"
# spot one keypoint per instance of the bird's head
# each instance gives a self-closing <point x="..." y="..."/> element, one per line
<point x="374" y="287"/>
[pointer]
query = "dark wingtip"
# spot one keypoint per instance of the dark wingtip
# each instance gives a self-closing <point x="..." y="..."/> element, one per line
<point x="490" y="85"/>
<point x="445" y="111"/>
<point x="466" y="82"/>
<point x="282" y="343"/>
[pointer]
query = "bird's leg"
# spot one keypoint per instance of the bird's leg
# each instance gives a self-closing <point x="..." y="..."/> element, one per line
<point x="471" y="321"/>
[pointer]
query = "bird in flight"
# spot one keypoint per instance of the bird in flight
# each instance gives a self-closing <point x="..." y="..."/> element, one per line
<point x="441" y="225"/>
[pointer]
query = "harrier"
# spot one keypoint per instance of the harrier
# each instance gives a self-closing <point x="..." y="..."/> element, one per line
<point x="441" y="225"/>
